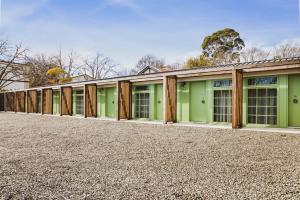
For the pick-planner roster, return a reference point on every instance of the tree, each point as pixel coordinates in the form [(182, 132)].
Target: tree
[(200, 61), (67, 62), (38, 68), (287, 50), (146, 61), (254, 54), (10, 70), (223, 46), (99, 67), (56, 75)]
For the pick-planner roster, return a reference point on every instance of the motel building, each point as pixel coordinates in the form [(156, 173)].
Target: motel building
[(253, 94)]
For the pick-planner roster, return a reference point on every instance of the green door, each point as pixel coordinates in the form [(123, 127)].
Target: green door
[(56, 103), (159, 102), (294, 100), (110, 102), (198, 108)]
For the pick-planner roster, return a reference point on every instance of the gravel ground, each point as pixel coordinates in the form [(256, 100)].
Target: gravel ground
[(44, 157)]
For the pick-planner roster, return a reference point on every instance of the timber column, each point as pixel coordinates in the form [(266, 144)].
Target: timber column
[(90, 100), (66, 101), (123, 100), (237, 98), (170, 98), (47, 104)]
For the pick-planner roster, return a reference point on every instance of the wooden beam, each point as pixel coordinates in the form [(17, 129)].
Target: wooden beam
[(66, 101), (170, 98), (47, 105), (90, 100), (237, 98), (123, 100)]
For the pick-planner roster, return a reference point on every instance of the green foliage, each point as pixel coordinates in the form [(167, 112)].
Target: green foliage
[(224, 45), (200, 61)]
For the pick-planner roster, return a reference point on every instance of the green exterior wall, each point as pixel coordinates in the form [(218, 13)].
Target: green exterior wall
[(294, 101), (156, 102), (282, 102), (195, 101), (106, 106)]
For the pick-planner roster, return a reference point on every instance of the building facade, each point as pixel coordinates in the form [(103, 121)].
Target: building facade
[(256, 94)]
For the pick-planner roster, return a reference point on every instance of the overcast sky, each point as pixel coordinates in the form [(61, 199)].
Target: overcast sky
[(125, 30)]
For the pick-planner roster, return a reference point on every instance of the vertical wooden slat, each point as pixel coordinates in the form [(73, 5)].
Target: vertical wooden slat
[(237, 99), (124, 100), (9, 102), (170, 98), (32, 101), (1, 101), (66, 101), (20, 101), (90, 100), (47, 105)]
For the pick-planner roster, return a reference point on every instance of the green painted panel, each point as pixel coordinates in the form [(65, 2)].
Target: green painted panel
[(110, 104), (198, 101), (283, 99), (101, 102), (183, 107), (56, 103), (159, 101), (294, 100)]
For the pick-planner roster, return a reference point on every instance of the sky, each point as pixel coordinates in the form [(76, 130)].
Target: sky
[(126, 30)]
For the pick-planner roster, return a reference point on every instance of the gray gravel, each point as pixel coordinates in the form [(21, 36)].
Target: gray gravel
[(45, 157)]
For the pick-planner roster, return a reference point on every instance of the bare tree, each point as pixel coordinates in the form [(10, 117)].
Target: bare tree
[(254, 54), (287, 50), (38, 67), (99, 67), (10, 70), (146, 61), (67, 62)]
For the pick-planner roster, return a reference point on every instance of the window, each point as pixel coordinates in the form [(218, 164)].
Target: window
[(262, 81), (142, 102), (142, 105), (78, 102), (222, 105), (262, 106), (223, 83), (141, 88)]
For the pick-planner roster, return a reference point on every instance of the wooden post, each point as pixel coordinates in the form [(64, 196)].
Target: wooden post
[(170, 98), (123, 100), (66, 101), (1, 102), (20, 101), (47, 105), (10, 102), (90, 100), (32, 101), (237, 99)]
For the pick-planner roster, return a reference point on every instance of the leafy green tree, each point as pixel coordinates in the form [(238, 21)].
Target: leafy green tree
[(223, 46)]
